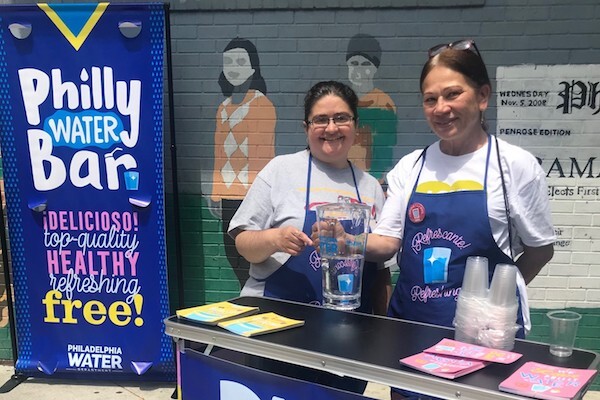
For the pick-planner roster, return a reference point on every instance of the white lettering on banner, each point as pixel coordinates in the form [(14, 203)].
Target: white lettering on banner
[(233, 390), (93, 112), (95, 361), (100, 94), (40, 149), (86, 348), (88, 357)]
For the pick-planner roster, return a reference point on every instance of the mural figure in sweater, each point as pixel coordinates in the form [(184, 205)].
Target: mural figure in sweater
[(244, 138)]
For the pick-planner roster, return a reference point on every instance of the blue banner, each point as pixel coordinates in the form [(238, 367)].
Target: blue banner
[(82, 144), (207, 377)]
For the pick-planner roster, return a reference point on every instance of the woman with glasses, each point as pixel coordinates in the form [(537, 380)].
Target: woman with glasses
[(272, 226), (467, 194)]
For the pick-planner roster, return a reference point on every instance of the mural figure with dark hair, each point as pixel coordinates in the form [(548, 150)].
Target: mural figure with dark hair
[(244, 138), (376, 135)]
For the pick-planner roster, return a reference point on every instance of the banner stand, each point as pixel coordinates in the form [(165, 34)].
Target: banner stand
[(173, 147), (19, 377), (16, 378)]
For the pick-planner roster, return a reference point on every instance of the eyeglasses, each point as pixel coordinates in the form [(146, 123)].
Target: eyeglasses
[(464, 44), (321, 121)]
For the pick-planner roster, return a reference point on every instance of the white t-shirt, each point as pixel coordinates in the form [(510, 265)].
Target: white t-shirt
[(526, 188), (277, 198), (525, 185)]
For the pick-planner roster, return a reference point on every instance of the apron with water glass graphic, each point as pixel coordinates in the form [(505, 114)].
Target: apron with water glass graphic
[(441, 231)]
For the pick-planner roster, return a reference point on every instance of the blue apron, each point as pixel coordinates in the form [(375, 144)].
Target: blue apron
[(300, 278), (440, 232)]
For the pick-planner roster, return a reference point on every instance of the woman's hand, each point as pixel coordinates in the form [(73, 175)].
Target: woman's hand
[(291, 240), (257, 246), (314, 235), (330, 229)]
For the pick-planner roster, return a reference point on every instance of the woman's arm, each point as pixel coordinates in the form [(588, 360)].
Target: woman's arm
[(381, 248), (257, 246), (533, 259)]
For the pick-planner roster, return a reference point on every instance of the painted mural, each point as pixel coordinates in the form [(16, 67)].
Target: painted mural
[(376, 138), (244, 138)]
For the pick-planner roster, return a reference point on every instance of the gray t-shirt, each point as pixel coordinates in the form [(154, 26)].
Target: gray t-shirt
[(278, 195)]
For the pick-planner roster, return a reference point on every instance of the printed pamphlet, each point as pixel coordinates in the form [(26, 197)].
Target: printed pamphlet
[(259, 324), (549, 382), (443, 366), (454, 348), (217, 312)]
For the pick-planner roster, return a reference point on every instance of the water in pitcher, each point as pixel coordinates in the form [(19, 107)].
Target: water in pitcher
[(343, 229), (342, 281)]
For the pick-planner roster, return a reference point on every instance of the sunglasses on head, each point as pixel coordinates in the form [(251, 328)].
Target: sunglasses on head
[(464, 44)]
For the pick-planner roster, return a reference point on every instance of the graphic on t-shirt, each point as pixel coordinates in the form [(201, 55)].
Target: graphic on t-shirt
[(435, 264), (443, 187)]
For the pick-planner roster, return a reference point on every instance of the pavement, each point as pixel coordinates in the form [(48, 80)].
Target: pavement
[(56, 389)]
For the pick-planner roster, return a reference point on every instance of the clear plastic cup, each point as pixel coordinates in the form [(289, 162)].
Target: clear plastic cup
[(475, 281), (503, 289), (467, 320), (563, 329)]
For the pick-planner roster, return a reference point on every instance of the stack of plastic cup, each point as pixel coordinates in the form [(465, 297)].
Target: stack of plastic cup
[(502, 308), (475, 281), (471, 303), (503, 290)]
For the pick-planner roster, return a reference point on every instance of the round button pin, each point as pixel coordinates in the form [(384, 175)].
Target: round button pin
[(416, 213)]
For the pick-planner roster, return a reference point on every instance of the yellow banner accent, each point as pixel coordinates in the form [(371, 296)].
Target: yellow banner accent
[(76, 41)]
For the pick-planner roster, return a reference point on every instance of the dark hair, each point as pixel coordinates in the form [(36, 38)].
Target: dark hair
[(465, 62), (325, 88), (364, 45), (257, 83)]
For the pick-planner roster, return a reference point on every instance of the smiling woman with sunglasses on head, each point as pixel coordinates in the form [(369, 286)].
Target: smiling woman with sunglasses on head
[(467, 194)]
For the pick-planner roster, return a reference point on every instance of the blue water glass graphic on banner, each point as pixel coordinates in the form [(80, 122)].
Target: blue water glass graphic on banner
[(435, 264), (132, 180)]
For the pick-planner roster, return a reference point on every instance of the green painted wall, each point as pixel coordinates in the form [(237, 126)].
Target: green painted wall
[(5, 344)]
